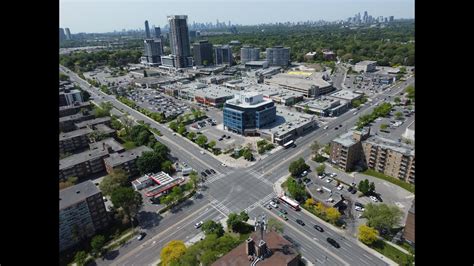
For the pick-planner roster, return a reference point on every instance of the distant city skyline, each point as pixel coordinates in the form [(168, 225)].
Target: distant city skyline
[(110, 15)]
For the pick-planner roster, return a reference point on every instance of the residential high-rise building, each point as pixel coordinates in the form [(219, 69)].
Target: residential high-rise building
[(179, 40), (153, 49), (202, 51), (278, 56), (68, 34), (62, 35), (81, 213), (248, 53), (390, 18), (147, 30), (223, 55), (157, 32)]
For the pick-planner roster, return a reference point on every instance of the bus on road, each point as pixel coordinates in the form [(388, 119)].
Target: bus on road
[(289, 144), (292, 203)]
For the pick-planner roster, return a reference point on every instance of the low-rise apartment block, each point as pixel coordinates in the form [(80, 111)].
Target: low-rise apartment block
[(67, 123), (83, 164), (92, 122), (81, 213), (74, 109), (74, 140), (125, 160), (107, 144)]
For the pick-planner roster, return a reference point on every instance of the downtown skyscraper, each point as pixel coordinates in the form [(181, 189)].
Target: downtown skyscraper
[(179, 41), (147, 30)]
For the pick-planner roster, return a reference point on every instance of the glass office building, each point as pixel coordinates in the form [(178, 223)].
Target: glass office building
[(247, 112)]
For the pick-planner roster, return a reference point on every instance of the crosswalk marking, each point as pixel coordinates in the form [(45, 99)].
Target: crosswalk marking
[(262, 202), (260, 177)]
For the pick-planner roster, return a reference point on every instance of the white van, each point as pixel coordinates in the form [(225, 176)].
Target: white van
[(326, 127)]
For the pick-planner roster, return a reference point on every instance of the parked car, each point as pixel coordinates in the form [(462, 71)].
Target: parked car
[(340, 187), (300, 222), (198, 224), (208, 172), (304, 173), (220, 139), (354, 191), (269, 206), (328, 180), (349, 189), (203, 174), (359, 204), (141, 236), (212, 171), (228, 137), (374, 199), (357, 208), (319, 228), (273, 204), (333, 242)]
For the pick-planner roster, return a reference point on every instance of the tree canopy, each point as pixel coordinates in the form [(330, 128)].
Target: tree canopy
[(382, 216), (127, 199), (296, 190), (118, 178), (211, 227), (297, 167), (171, 252), (367, 235)]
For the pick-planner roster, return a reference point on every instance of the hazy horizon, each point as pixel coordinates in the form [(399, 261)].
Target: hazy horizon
[(98, 16)]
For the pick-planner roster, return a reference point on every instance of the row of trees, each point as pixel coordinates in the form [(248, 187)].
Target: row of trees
[(263, 146), (330, 214), (84, 61), (391, 45), (380, 111)]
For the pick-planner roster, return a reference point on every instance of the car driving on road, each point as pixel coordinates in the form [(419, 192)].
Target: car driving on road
[(333, 242), (319, 228), (300, 222)]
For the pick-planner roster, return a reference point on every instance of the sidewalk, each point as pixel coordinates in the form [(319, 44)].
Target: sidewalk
[(395, 246)]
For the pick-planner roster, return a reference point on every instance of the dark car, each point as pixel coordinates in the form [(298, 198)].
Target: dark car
[(340, 125), (336, 128), (350, 188), (228, 137), (283, 211), (208, 172), (319, 228), (223, 136), (212, 171), (203, 174), (359, 204), (333, 242), (220, 139), (300, 222), (354, 191)]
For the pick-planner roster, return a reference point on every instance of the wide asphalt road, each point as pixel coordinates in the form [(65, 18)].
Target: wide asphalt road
[(232, 190)]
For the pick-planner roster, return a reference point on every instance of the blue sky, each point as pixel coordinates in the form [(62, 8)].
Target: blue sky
[(109, 15)]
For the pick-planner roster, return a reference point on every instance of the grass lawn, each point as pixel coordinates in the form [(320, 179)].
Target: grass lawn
[(392, 253), (129, 145), (390, 179)]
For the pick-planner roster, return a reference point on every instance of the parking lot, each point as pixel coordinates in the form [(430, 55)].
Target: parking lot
[(396, 127), (369, 83), (156, 101), (104, 76)]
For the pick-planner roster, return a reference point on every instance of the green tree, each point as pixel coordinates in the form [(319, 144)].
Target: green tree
[(410, 91), (177, 194), (167, 167), (80, 258), (149, 162), (232, 221), (367, 235), (211, 227), (173, 126), (181, 130), (364, 186), (129, 200), (211, 144), (371, 187), (171, 252), (161, 150), (399, 115), (275, 225), (63, 77), (244, 217), (191, 135), (201, 140), (297, 191), (297, 167), (383, 126), (306, 109), (397, 100), (247, 154), (382, 216), (97, 244), (118, 178), (320, 169), (315, 147), (194, 178)]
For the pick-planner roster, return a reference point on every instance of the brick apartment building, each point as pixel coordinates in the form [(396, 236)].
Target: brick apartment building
[(383, 155), (409, 231), (81, 213)]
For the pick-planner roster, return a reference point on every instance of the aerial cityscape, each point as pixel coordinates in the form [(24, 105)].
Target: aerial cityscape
[(229, 143)]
